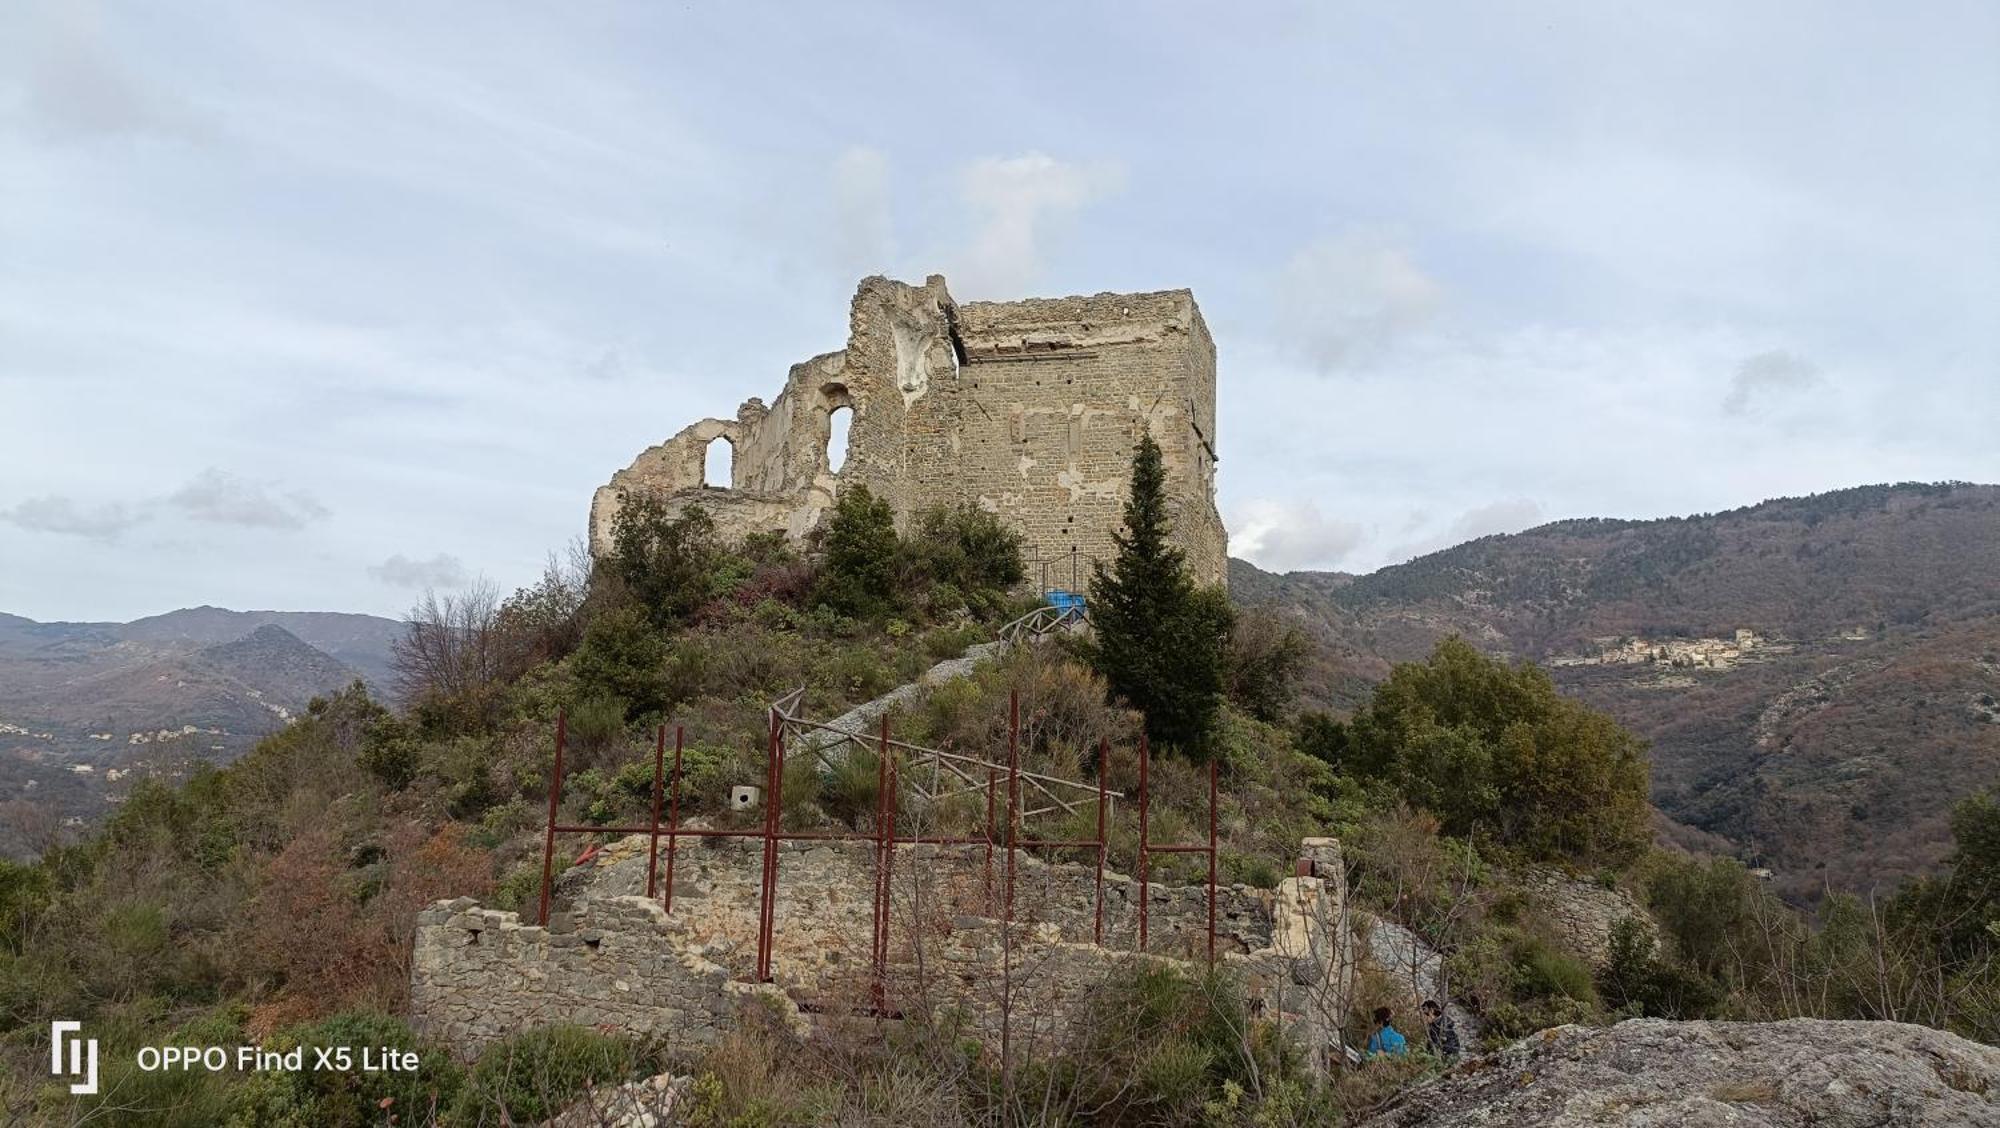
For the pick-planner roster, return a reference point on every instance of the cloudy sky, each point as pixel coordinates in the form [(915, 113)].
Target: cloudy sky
[(313, 305)]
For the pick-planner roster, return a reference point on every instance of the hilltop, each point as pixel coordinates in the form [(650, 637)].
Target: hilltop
[(83, 705), (1828, 743)]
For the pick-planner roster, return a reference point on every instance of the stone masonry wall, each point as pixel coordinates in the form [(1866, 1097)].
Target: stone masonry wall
[(825, 902), (620, 962), (478, 975), (1029, 409)]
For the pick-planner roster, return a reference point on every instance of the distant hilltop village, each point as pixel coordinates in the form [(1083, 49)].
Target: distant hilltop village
[(1685, 653), (1029, 410)]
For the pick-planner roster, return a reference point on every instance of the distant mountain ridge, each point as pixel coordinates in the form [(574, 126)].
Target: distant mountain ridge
[(1829, 745), (83, 705)]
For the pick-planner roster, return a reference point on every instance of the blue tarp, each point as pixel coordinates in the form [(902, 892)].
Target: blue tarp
[(1066, 601)]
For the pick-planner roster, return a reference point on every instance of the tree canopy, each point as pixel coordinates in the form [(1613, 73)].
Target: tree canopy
[(1492, 749)]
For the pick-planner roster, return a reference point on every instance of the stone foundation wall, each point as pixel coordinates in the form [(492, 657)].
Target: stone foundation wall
[(619, 961), (826, 891), (478, 975)]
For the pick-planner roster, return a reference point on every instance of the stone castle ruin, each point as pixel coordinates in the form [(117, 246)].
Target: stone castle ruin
[(1029, 410)]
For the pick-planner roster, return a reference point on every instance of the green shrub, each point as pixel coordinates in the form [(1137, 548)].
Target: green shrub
[(595, 724), (622, 657), (1635, 981), (1492, 748), (533, 1075), (960, 551), (1541, 971), (862, 551), (520, 889), (392, 753), (1266, 657), (670, 564), (351, 1098)]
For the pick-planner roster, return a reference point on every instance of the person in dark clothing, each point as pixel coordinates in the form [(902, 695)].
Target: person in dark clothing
[(1442, 1031)]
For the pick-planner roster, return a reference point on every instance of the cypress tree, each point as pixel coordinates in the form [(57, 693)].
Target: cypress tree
[(1162, 639)]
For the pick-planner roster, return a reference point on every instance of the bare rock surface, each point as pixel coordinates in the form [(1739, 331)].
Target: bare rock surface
[(1655, 1074), (1420, 970)]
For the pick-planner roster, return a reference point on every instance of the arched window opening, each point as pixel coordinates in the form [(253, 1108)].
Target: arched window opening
[(718, 466), (837, 421)]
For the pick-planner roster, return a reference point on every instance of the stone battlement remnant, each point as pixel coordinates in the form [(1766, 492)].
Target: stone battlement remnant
[(1029, 410)]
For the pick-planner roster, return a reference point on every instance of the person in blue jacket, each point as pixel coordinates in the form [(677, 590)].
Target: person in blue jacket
[(1386, 1040)]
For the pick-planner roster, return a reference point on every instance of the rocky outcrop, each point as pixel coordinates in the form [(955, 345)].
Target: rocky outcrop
[(655, 1102), (1418, 969), (1656, 1074)]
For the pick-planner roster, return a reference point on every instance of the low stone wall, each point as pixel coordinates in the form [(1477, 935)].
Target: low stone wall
[(1583, 912), (615, 960), (826, 891), (478, 975)]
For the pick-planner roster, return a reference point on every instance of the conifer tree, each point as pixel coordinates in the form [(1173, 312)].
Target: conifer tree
[(1162, 639)]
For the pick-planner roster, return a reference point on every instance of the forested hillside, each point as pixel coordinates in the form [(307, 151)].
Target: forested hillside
[(1829, 749)]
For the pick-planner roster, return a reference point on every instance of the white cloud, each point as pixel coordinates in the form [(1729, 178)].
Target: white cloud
[(63, 516), (76, 87), (1510, 516), (1020, 203), (1767, 377), (1286, 536), (440, 571), (224, 499), (1344, 297)]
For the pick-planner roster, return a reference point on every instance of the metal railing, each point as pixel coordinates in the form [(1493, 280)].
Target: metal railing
[(891, 770)]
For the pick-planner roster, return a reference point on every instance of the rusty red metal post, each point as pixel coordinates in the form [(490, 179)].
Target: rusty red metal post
[(1211, 863), (673, 820), (992, 790), (549, 838), (1103, 764), (1145, 759), (653, 838), (1013, 791), (768, 896), (878, 928), (888, 873)]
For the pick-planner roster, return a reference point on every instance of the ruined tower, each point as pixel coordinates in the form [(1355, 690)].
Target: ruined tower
[(1029, 410)]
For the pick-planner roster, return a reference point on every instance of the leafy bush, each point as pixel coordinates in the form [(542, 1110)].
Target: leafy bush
[(392, 753), (1493, 749), (1634, 980), (963, 552), (622, 657), (862, 550), (533, 1075), (1541, 971), (671, 564), (1266, 656), (356, 1099)]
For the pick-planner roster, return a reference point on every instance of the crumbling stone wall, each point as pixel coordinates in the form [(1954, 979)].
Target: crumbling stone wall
[(612, 959), (826, 890), (478, 975), (1027, 409), (1584, 912)]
